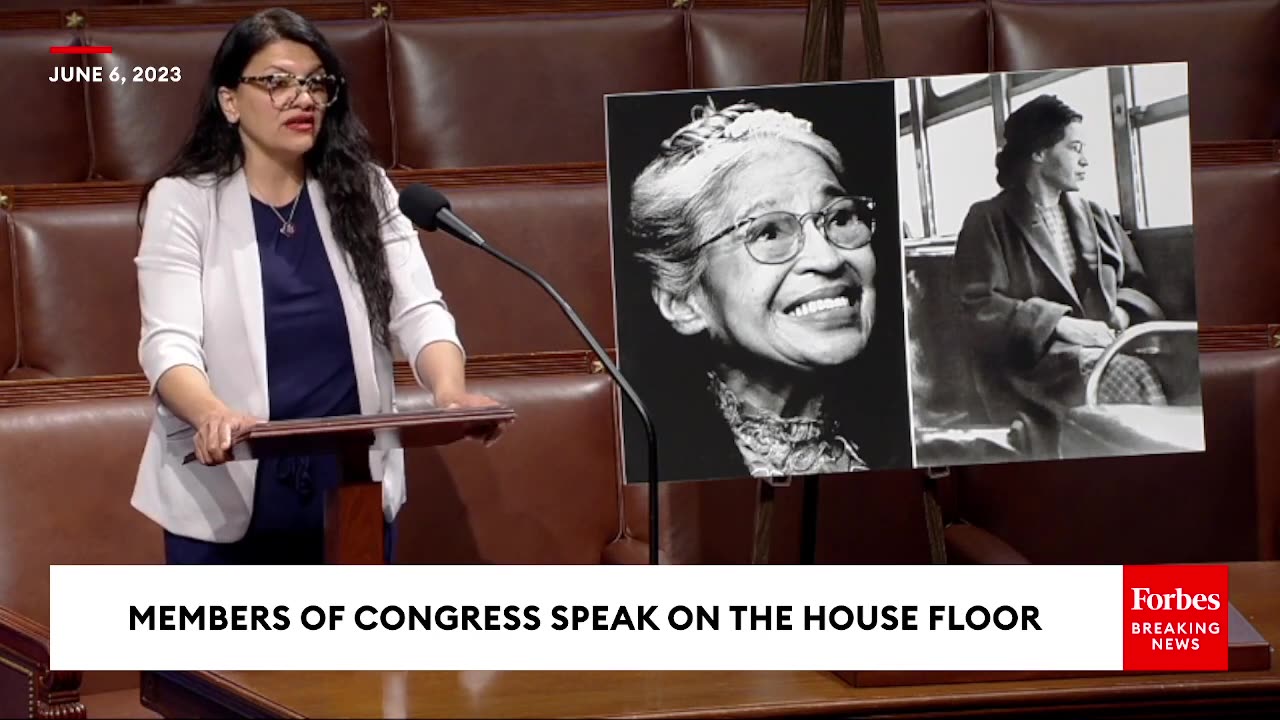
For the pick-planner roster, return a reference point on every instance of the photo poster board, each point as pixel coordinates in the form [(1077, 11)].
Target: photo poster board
[(905, 273)]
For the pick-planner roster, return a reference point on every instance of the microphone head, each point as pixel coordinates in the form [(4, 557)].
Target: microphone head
[(422, 205)]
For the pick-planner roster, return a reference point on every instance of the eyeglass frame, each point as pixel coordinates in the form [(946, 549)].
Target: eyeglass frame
[(303, 83), (869, 203)]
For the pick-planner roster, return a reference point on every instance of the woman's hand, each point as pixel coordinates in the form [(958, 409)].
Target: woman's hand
[(215, 431), (457, 400), (441, 364), (1088, 333), (464, 399), (1121, 319)]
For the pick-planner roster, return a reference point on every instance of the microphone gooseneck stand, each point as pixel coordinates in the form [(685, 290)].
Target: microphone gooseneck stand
[(651, 436)]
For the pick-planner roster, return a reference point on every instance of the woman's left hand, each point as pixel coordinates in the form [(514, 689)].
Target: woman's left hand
[(464, 400), (455, 401), (1120, 319)]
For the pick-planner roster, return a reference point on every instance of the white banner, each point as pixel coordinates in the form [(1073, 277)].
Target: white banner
[(488, 617)]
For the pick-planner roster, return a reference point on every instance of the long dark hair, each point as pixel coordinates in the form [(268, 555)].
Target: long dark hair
[(1038, 125), (340, 160)]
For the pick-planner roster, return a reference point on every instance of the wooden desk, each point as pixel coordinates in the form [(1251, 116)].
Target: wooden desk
[(1255, 590)]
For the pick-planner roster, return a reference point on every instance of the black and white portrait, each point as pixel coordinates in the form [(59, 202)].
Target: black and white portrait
[(758, 275), (1046, 228)]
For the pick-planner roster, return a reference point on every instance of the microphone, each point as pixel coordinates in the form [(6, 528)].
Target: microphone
[(429, 209)]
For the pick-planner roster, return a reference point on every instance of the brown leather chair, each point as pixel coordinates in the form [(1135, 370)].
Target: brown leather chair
[(523, 90), (546, 493), (77, 293), (561, 230), (1215, 506), (1232, 82), (8, 313), (863, 518), (128, 142), (44, 140), (733, 44), (430, 101), (1236, 211), (66, 476)]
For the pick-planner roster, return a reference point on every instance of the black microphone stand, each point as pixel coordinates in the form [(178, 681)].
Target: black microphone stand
[(617, 377)]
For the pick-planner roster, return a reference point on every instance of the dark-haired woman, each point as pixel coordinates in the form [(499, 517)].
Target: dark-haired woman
[(275, 271), (1047, 279)]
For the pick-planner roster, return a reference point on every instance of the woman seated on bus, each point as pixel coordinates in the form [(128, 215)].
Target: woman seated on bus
[(1047, 280)]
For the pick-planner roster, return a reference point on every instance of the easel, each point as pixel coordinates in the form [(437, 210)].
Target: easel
[(821, 61)]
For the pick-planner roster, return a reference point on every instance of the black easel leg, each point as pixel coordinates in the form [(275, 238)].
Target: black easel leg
[(934, 524), (763, 532), (809, 521)]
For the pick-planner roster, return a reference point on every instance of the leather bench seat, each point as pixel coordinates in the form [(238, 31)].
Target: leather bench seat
[(1232, 84), (1237, 213), (547, 493), (433, 94), (8, 312), (77, 290), (863, 519), (525, 90), (735, 44), (71, 269), (561, 230), (461, 86), (128, 142), (66, 475), (50, 144), (1216, 506)]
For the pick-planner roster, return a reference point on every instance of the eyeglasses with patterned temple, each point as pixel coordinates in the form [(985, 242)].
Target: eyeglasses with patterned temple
[(772, 238), (285, 88)]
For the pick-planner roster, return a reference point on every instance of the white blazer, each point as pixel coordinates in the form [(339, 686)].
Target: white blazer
[(200, 289)]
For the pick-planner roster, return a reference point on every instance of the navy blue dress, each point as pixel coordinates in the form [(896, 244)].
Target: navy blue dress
[(310, 374)]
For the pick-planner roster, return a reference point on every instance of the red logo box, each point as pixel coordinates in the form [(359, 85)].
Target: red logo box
[(1175, 617)]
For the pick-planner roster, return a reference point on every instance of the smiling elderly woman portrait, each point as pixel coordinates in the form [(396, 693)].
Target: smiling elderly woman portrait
[(759, 257)]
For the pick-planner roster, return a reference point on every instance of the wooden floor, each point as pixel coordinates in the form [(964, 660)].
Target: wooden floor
[(1255, 591)]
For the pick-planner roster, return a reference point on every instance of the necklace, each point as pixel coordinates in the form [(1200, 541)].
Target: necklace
[(286, 227), (773, 446)]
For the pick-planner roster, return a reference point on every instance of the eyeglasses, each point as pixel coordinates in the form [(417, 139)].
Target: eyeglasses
[(777, 237), (285, 88)]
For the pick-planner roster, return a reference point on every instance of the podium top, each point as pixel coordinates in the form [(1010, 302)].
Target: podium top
[(346, 433)]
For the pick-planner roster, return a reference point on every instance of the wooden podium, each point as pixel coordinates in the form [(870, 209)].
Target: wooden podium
[(353, 525)]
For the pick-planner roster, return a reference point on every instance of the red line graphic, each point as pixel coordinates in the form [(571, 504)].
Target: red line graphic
[(80, 50)]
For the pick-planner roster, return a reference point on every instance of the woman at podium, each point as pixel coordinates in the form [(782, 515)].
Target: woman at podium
[(275, 271)]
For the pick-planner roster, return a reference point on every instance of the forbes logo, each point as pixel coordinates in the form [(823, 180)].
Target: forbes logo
[(1175, 617), (1145, 599)]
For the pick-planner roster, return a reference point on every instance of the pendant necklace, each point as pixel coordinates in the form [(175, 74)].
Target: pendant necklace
[(287, 228)]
